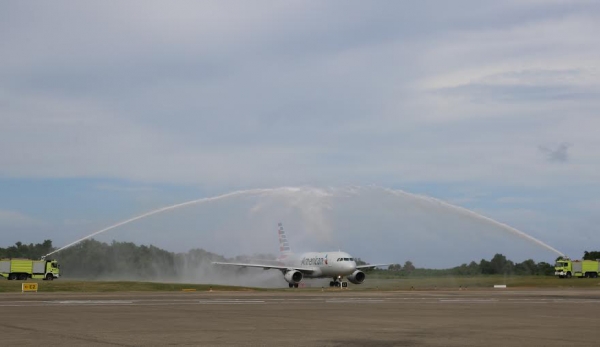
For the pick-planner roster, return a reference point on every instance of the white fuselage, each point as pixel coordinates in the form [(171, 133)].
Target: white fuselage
[(323, 264)]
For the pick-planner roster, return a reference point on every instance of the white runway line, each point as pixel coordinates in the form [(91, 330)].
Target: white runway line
[(576, 301), (474, 301), (354, 301), (93, 302), (228, 302), (300, 300)]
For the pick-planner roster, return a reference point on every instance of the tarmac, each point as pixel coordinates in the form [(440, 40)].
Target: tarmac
[(500, 317)]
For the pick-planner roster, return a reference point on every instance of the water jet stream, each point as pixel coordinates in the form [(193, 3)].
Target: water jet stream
[(350, 190), (470, 213), (163, 209)]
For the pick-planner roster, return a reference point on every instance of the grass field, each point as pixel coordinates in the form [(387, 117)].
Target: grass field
[(417, 283)]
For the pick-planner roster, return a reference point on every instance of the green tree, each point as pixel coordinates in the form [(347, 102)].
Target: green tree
[(528, 267), (395, 267), (30, 251), (473, 268), (500, 265), (486, 267), (408, 267), (545, 269), (593, 255)]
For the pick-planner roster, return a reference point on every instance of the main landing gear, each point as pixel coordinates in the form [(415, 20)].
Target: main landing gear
[(337, 282), (293, 285)]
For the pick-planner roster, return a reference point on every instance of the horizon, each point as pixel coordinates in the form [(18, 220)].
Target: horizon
[(269, 257)]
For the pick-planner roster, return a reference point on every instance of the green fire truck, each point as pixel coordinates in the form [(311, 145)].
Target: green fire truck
[(567, 268), (23, 269)]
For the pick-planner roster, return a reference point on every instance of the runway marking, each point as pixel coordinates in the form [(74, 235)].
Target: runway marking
[(93, 302), (468, 299), (233, 301), (571, 301), (473, 301), (307, 299), (342, 301)]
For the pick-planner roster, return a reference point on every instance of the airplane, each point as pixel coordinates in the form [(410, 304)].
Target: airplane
[(294, 268)]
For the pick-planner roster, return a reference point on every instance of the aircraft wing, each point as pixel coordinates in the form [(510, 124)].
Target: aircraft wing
[(371, 265), (268, 267)]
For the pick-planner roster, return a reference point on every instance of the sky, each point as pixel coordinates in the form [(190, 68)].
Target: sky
[(112, 109)]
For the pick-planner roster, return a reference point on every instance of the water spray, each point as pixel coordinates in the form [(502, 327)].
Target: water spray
[(478, 216), (351, 190), (163, 209)]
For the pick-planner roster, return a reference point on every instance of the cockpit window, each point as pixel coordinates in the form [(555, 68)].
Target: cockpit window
[(345, 259)]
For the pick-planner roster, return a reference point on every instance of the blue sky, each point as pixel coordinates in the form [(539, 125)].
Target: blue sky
[(112, 109)]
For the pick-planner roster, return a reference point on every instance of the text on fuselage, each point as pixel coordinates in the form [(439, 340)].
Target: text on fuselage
[(313, 261)]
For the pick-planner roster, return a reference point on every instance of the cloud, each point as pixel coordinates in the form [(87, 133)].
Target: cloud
[(201, 94), (15, 219), (558, 154)]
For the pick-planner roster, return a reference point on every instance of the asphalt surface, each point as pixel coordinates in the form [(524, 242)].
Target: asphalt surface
[(299, 318)]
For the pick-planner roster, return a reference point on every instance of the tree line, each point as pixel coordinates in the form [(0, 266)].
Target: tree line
[(594, 255), (498, 265), (30, 251), (95, 259)]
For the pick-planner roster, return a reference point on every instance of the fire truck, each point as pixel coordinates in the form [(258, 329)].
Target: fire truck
[(567, 268), (23, 269)]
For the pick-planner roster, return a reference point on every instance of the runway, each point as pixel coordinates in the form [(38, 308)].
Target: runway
[(302, 318)]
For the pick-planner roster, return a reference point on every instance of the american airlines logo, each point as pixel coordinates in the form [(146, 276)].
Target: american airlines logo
[(314, 261)]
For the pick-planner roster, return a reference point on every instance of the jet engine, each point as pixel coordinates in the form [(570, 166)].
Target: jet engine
[(294, 276), (357, 277)]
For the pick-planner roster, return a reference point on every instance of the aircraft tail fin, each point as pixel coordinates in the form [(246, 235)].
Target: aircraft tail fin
[(284, 246)]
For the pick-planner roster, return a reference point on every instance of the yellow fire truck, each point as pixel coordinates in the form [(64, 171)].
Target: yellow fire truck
[(567, 268), (23, 269)]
